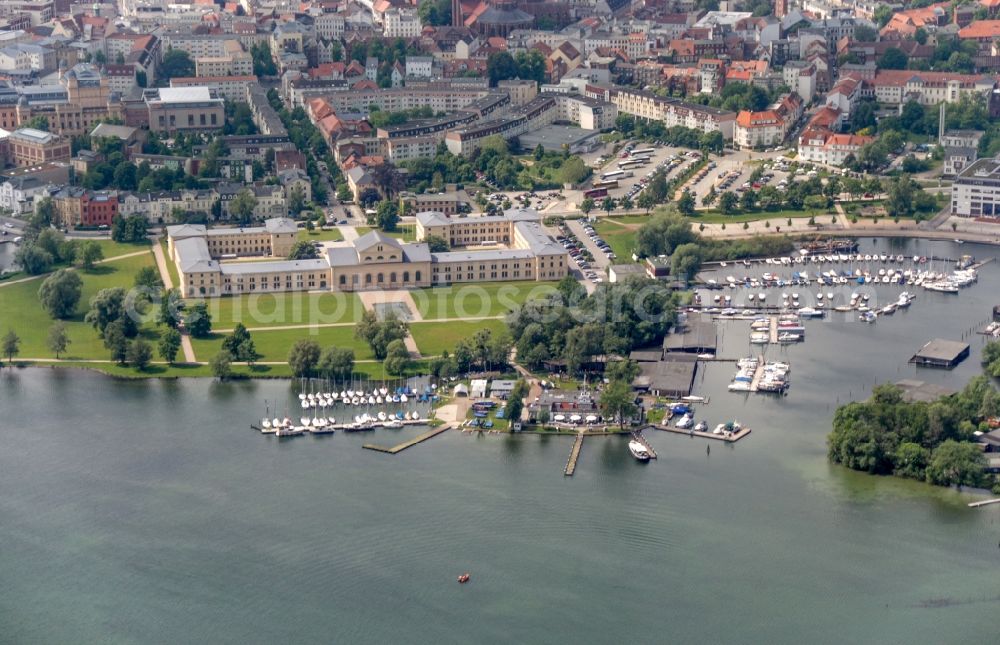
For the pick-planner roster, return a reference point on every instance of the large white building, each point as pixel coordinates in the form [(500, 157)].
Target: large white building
[(669, 111), (976, 190)]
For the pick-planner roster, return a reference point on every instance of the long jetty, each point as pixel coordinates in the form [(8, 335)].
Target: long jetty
[(732, 438), (407, 444), (985, 502), (758, 374), (574, 455)]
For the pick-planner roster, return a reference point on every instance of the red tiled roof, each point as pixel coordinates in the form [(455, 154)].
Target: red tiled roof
[(981, 29)]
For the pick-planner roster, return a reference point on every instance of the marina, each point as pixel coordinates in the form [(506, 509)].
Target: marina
[(731, 437)]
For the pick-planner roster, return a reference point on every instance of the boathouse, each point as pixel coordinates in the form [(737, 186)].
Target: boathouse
[(673, 376), (941, 353), (696, 336)]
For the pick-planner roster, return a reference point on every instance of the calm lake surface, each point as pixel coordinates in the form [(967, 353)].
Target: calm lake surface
[(148, 512)]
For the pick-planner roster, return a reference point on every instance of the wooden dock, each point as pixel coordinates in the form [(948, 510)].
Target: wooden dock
[(985, 502), (977, 265), (733, 438), (407, 444), (574, 455), (773, 320), (758, 374), (637, 436)]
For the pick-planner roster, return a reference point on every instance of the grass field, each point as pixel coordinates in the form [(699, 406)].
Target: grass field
[(23, 313), (434, 338), (171, 267), (321, 235), (286, 308), (273, 345), (477, 300), (777, 218), (404, 232)]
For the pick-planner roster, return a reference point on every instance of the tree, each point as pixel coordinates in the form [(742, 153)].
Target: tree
[(171, 307), (587, 205), (623, 371), (625, 203), (170, 345), (646, 201), (116, 341), (109, 306), (221, 366), (378, 334), (60, 293), (242, 207), (397, 358), (893, 58), (336, 363), (90, 254), (899, 196), (303, 250), (727, 202), (437, 244), (139, 354), (38, 123), (304, 356), (57, 340), (33, 260), (865, 34), (500, 66), (748, 200), (198, 321), (956, 464), (434, 12), (131, 229), (618, 402), (11, 346), (608, 205), (387, 215), (296, 200), (149, 278), (175, 63), (686, 261), (686, 203), (240, 345)]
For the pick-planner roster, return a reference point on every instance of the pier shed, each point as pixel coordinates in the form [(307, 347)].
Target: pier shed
[(697, 336), (501, 388), (941, 353), (673, 376)]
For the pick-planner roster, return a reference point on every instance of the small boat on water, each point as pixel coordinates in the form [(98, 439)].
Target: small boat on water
[(638, 451), (685, 422), (462, 579), (701, 426)]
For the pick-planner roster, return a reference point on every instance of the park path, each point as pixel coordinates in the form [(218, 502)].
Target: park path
[(354, 324), (168, 283), (45, 275), (161, 266), (349, 232)]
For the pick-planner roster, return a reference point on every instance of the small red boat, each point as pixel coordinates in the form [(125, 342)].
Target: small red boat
[(463, 578)]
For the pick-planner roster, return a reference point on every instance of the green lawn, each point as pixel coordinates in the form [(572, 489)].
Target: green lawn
[(171, 266), (404, 232), (23, 313), (112, 248), (477, 300), (273, 345), (434, 338), (621, 240), (777, 218), (157, 370), (285, 308), (321, 235)]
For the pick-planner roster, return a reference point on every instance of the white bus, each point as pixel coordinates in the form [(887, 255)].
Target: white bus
[(644, 151), (617, 174)]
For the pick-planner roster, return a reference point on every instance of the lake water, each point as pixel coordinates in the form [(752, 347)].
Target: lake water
[(7, 255), (148, 512)]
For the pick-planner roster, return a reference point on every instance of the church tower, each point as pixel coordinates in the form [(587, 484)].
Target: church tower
[(456, 14)]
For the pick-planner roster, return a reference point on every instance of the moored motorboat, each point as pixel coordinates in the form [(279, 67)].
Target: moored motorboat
[(638, 451)]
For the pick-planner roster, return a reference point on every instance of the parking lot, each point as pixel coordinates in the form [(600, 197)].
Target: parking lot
[(587, 250)]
